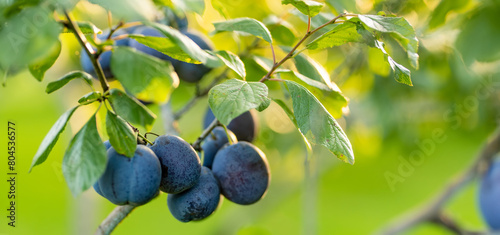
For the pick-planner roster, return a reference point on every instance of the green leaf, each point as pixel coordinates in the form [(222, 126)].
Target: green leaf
[(245, 25), (282, 32), (233, 62), (283, 35), (145, 76), (187, 45), (197, 6), (332, 97), (310, 8), (340, 35), (86, 28), (401, 74), (85, 159), (163, 3), (131, 109), (438, 15), (40, 66), (234, 97), (478, 39), (121, 136), (399, 29), (165, 46), (128, 10), (90, 98), (317, 124), (51, 138), (25, 38), (56, 85), (290, 115)]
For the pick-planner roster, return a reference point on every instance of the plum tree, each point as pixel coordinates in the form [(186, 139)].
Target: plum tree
[(194, 72), (489, 195), (105, 57), (180, 165), (198, 202), (243, 172), (244, 126), (132, 180), (213, 143)]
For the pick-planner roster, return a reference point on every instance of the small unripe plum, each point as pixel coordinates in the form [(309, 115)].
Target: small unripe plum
[(489, 196), (243, 172), (193, 72), (134, 180), (244, 126), (104, 58), (180, 164), (198, 202), (214, 141)]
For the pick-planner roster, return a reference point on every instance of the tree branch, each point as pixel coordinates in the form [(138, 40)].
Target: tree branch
[(290, 54), (434, 207), (113, 219), (89, 50)]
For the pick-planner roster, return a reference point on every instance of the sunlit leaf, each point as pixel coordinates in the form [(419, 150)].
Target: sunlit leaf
[(85, 159), (314, 122), (245, 25), (234, 97), (51, 138)]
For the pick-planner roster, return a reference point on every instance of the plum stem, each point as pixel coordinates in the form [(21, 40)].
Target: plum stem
[(432, 210), (206, 132)]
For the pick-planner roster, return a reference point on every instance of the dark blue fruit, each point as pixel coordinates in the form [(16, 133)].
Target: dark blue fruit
[(193, 72), (243, 172), (133, 180), (180, 164), (149, 31), (96, 184), (198, 202), (104, 58), (243, 126), (213, 143), (489, 196)]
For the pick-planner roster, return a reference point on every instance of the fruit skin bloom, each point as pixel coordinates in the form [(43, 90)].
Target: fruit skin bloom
[(180, 165), (243, 172), (198, 202), (134, 180)]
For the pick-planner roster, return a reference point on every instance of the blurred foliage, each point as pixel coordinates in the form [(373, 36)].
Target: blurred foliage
[(455, 90)]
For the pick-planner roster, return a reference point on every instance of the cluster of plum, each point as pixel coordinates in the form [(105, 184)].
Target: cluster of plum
[(238, 171), (186, 71)]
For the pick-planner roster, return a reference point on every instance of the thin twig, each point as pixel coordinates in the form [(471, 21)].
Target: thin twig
[(89, 50), (433, 208), (113, 219), (447, 222), (290, 54)]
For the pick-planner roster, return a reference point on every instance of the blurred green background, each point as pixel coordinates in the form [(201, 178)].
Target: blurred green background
[(456, 94)]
